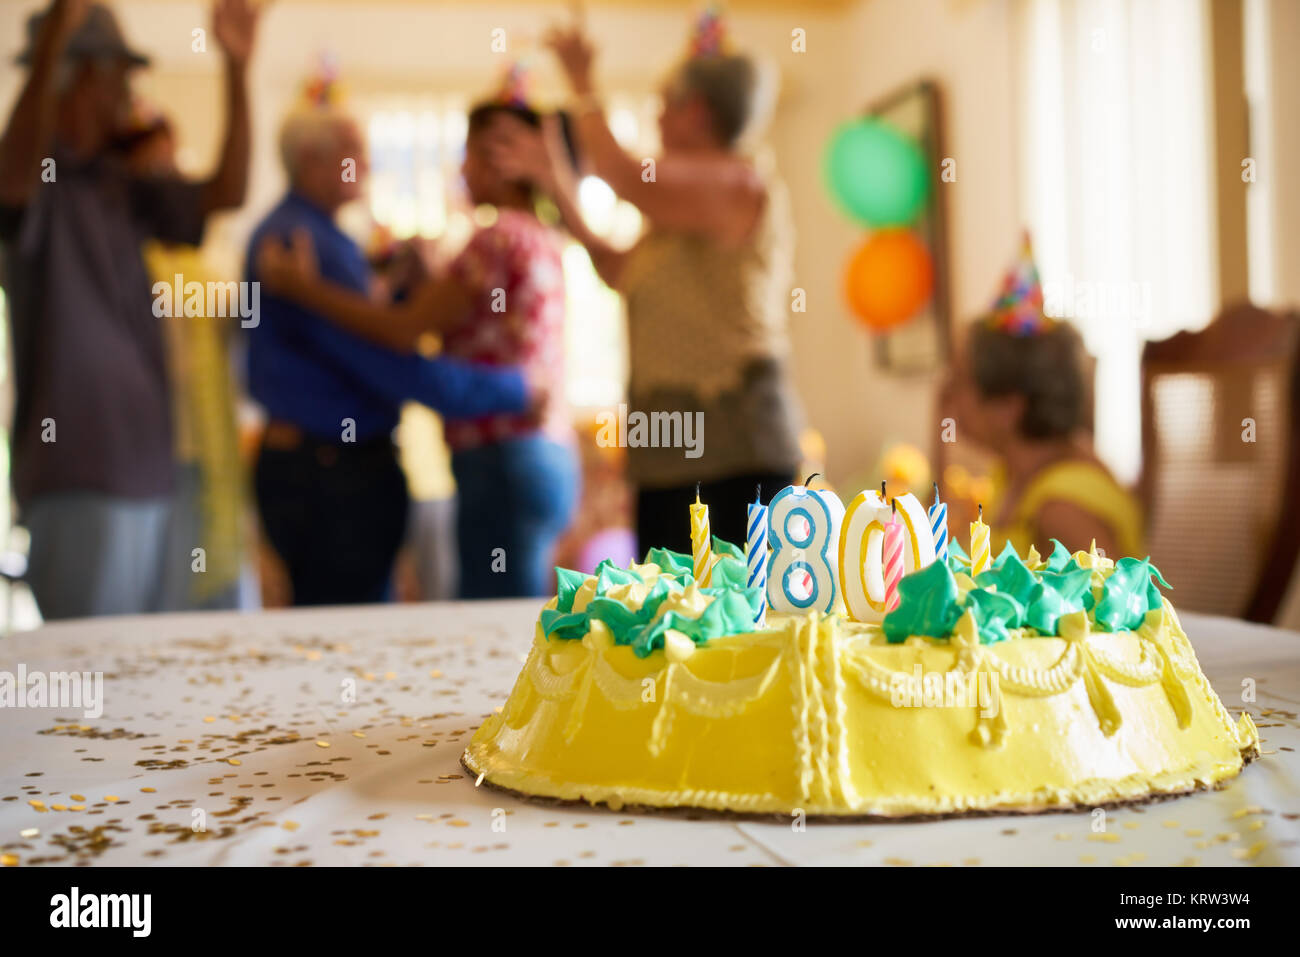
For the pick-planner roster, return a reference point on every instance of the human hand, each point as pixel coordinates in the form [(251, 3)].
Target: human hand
[(518, 152), (574, 50), (287, 268), (234, 24)]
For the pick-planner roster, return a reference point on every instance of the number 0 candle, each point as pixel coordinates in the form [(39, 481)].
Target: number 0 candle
[(979, 545), (756, 552), (701, 542)]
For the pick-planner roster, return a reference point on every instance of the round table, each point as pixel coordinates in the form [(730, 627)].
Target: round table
[(333, 736)]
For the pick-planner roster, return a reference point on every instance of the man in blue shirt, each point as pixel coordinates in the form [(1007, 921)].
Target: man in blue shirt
[(330, 491)]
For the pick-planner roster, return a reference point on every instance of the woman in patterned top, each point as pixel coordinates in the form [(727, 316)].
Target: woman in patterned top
[(500, 302)]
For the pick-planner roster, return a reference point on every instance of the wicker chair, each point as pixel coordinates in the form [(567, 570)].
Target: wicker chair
[(1221, 461)]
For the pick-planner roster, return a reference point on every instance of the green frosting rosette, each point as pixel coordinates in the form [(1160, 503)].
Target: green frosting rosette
[(1011, 596), (732, 608)]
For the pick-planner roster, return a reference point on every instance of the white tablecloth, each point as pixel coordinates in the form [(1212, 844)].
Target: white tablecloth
[(334, 736)]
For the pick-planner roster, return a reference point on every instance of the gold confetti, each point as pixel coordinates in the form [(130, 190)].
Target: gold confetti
[(1104, 838), (9, 860), (37, 803), (58, 807), (30, 832), (390, 675), (1248, 809), (1062, 836), (1170, 824), (358, 734), (111, 798), (1248, 853), (1255, 825), (1131, 825), (435, 673), (289, 825), (860, 844), (235, 761), (322, 744), (149, 790), (209, 719), (1194, 832), (77, 797), (77, 807), (457, 822), (1087, 859)]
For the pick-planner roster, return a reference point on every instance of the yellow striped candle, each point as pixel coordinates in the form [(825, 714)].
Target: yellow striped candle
[(979, 545), (701, 542)]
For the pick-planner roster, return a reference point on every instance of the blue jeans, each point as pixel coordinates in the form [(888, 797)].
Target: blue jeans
[(97, 554), (516, 498)]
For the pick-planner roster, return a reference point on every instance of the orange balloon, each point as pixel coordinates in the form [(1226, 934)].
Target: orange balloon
[(889, 279)]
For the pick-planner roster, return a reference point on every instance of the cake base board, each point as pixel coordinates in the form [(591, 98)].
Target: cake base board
[(700, 813)]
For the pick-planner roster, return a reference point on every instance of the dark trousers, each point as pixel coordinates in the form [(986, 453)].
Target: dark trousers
[(514, 499), (336, 514), (663, 517)]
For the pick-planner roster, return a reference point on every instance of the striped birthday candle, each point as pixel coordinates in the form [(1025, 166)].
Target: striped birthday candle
[(893, 559), (701, 542), (938, 513), (756, 553), (980, 547)]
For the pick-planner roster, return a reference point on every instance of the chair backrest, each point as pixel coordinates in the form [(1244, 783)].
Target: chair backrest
[(1221, 461)]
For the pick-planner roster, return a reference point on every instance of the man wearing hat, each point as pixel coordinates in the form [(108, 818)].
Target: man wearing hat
[(91, 444)]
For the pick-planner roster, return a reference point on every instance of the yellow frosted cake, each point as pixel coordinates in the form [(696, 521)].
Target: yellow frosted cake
[(1033, 686)]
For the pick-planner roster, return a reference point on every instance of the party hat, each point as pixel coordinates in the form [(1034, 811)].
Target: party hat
[(515, 84), (709, 34), (323, 87), (1019, 306)]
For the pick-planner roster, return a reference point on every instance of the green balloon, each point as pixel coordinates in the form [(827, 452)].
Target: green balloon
[(876, 173)]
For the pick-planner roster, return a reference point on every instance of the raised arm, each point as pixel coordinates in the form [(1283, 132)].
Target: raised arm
[(29, 133), (234, 23), (716, 194), (433, 306)]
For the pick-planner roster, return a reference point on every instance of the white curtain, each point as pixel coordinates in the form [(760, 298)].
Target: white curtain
[(1116, 160)]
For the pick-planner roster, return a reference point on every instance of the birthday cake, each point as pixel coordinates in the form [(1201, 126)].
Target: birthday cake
[(946, 686)]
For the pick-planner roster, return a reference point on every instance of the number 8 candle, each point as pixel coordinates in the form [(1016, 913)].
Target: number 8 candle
[(756, 552), (701, 543), (979, 545), (814, 552)]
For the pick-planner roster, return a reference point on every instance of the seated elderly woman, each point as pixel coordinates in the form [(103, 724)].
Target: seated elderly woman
[(1018, 389)]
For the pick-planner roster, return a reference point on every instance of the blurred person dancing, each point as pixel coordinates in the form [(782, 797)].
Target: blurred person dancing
[(707, 287), (330, 490), (500, 302), (208, 508), (93, 469)]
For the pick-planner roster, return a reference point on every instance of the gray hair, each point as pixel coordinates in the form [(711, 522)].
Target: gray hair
[(308, 129), (739, 92)]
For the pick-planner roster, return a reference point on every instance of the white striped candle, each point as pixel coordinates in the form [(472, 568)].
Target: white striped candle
[(756, 553), (938, 513)]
